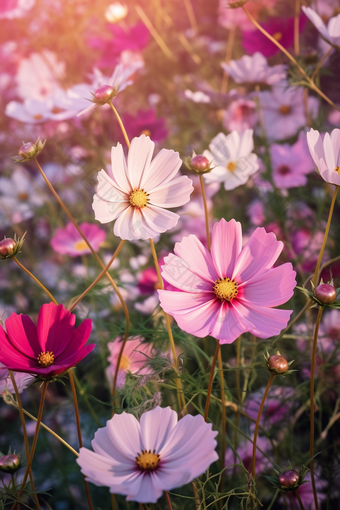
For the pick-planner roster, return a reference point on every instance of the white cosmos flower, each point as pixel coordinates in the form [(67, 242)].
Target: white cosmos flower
[(331, 33), (137, 192), (326, 154), (254, 69), (233, 159)]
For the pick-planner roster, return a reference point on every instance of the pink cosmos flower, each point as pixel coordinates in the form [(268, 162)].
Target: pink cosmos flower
[(135, 356), (145, 122), (245, 451), (240, 115), (68, 241), (326, 154), (277, 408), (141, 460), (306, 493), (331, 33), (254, 69), (47, 349), (137, 192), (291, 164), (281, 29), (230, 18), (230, 290)]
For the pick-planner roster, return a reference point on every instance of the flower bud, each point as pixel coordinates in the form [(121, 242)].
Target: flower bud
[(7, 247), (103, 94), (200, 163), (29, 151), (9, 463), (289, 479), (325, 293), (116, 12), (278, 364)]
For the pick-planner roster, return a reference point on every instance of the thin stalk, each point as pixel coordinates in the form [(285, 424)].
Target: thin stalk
[(180, 395), (229, 54), (34, 444), (157, 37), (206, 212), (113, 502), (65, 209), (317, 269), (257, 424), (299, 499), (296, 28), (291, 58), (23, 424), (320, 64), (99, 277), (86, 400), (274, 499), (140, 506), (36, 280), (80, 440), (211, 377), (312, 376), (168, 499), (224, 422), (121, 125), (238, 361)]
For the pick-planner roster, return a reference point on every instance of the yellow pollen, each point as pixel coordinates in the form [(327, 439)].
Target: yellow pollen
[(138, 198), (37, 116), (225, 289), (277, 36), (81, 245), (146, 132), (285, 109), (147, 460), (337, 170), (23, 196), (124, 363), (231, 166), (45, 359)]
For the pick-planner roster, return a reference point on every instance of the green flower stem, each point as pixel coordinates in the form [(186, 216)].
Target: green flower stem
[(299, 499), (211, 377), (206, 213)]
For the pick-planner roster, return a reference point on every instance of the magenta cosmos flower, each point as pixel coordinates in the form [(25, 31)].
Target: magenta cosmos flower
[(326, 154), (47, 349), (68, 241), (141, 460), (137, 192), (231, 290)]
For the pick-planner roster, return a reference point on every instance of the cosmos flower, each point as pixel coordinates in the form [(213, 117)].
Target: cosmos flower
[(231, 290), (254, 69), (240, 115), (47, 349), (331, 33), (326, 154), (141, 460), (291, 164), (245, 451), (230, 18), (22, 380), (68, 241), (145, 122), (233, 159), (137, 192)]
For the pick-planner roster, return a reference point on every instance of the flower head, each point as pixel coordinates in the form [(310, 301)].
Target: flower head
[(233, 159), (11, 247), (137, 192), (141, 460), (254, 69), (231, 290), (331, 33), (47, 349), (68, 241), (326, 154)]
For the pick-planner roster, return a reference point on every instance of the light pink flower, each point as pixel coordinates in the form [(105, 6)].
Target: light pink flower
[(137, 192), (291, 164), (231, 290), (326, 154), (331, 33), (254, 69), (141, 460), (68, 241), (230, 18), (240, 115), (277, 408), (245, 451), (47, 349), (135, 356), (22, 380)]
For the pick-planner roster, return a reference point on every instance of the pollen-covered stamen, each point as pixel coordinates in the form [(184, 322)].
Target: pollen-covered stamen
[(285, 109), (337, 170), (45, 359), (138, 198), (225, 289), (231, 166), (147, 460), (81, 245)]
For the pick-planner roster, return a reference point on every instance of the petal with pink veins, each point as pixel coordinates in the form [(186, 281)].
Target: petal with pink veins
[(139, 159), (156, 426), (55, 327), (197, 258), (177, 273), (163, 169), (264, 322), (159, 220), (118, 170), (172, 194), (226, 246)]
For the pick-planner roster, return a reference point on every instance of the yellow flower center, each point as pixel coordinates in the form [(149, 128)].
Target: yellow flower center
[(124, 363), (337, 170), (231, 166), (37, 116), (285, 109), (45, 359), (80, 245), (23, 196), (225, 289), (146, 132), (147, 461), (277, 36), (138, 198)]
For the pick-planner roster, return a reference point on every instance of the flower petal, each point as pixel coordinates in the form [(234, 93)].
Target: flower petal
[(55, 327), (22, 334), (77, 341), (172, 194), (176, 272), (159, 220), (139, 159), (197, 258), (156, 426), (229, 324), (264, 322), (226, 245), (163, 169), (118, 171)]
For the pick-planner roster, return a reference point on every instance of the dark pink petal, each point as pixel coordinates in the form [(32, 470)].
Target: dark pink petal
[(22, 333), (264, 322), (258, 255), (78, 340), (272, 288), (197, 258), (55, 327), (226, 245), (76, 357), (156, 426), (11, 358), (177, 272)]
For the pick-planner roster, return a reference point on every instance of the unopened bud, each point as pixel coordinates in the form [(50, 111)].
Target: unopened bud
[(278, 364), (200, 163), (325, 293), (289, 479), (29, 151), (9, 463), (104, 94), (7, 248)]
